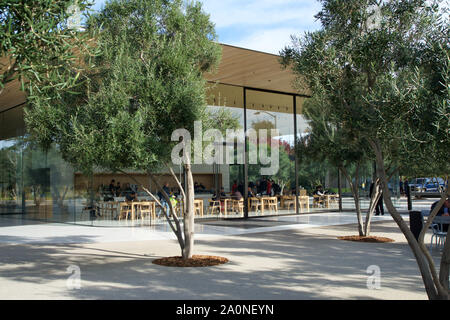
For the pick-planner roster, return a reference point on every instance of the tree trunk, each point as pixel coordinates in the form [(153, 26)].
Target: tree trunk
[(444, 269), (445, 264), (444, 272), (171, 214), (177, 228), (432, 286), (355, 192), (374, 198), (358, 211), (188, 222)]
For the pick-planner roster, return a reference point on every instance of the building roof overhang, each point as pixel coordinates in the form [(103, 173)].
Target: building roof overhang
[(238, 67)]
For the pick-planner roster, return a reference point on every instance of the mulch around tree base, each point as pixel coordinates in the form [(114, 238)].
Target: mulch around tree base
[(366, 239), (195, 261)]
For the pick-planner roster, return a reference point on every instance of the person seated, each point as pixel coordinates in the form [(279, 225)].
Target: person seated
[(319, 195), (118, 189), (443, 211), (220, 196), (131, 196), (237, 195), (251, 194), (319, 191)]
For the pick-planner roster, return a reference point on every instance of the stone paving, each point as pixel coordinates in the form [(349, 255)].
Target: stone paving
[(289, 257)]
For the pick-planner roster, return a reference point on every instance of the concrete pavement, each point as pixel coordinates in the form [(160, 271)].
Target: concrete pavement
[(291, 263)]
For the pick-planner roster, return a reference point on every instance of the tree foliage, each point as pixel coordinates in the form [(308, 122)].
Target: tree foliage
[(37, 45), (383, 67), (146, 82)]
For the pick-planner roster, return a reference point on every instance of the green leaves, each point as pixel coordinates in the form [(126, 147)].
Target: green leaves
[(34, 39), (385, 82), (123, 103)]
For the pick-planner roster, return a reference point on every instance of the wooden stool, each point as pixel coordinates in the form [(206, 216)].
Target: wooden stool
[(125, 208), (214, 205), (198, 206), (238, 206)]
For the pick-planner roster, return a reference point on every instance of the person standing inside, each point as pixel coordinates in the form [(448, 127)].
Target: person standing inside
[(234, 187), (112, 187), (163, 200), (269, 187), (406, 188), (379, 208), (118, 189)]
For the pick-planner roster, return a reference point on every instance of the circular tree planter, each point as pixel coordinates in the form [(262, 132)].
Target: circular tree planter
[(195, 261), (372, 239)]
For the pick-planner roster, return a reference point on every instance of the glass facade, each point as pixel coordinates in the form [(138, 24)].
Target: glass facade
[(38, 185)]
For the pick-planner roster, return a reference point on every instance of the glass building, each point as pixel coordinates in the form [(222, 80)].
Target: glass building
[(253, 86)]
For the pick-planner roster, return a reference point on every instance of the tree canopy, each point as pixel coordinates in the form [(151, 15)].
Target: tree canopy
[(383, 67), (37, 44), (146, 83)]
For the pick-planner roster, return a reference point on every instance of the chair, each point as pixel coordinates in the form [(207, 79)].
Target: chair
[(304, 202), (214, 206), (87, 209), (289, 203), (147, 208), (238, 206), (109, 207), (438, 236), (255, 203), (272, 204), (198, 206), (318, 201), (125, 208), (100, 208)]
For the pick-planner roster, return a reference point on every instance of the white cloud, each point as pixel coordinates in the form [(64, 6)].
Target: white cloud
[(271, 40), (226, 13), (263, 25)]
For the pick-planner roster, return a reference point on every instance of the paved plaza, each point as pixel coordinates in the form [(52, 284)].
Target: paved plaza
[(288, 257)]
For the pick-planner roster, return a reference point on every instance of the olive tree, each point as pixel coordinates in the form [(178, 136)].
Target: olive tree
[(384, 67), (146, 82), (329, 140)]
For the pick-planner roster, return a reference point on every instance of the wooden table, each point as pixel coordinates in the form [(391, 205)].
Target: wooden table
[(134, 207), (263, 201), (287, 201)]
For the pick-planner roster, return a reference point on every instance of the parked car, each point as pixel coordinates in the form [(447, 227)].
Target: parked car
[(427, 185)]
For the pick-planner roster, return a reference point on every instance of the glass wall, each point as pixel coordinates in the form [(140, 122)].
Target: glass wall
[(11, 184), (38, 185), (271, 170)]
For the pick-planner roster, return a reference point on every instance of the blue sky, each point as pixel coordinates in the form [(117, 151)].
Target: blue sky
[(263, 25)]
